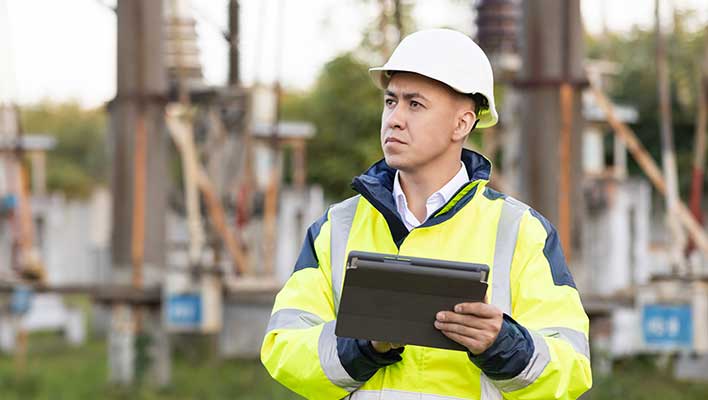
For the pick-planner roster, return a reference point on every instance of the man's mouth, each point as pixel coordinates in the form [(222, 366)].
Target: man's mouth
[(392, 139)]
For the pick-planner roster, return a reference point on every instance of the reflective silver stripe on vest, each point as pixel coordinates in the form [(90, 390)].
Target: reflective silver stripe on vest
[(341, 216), (575, 338), (538, 362), (291, 318), (489, 391), (507, 232), (388, 394), (329, 360)]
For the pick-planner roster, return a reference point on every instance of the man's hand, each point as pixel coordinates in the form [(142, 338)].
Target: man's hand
[(473, 325), (383, 347)]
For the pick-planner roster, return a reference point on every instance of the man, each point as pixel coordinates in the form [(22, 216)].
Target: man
[(429, 198)]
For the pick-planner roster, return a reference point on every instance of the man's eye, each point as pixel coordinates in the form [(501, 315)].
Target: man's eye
[(415, 104), (389, 102)]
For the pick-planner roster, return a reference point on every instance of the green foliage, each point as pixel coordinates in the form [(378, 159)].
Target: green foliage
[(79, 160), (636, 84), (641, 378), (345, 107), (57, 371)]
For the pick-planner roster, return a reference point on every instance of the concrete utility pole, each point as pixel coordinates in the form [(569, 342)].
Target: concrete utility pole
[(139, 188), (139, 144), (550, 80)]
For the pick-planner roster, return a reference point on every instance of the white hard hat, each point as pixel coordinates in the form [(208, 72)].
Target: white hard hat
[(447, 56)]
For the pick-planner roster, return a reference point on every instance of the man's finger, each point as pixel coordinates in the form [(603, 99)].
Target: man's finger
[(483, 337), (483, 310), (464, 319), (463, 330)]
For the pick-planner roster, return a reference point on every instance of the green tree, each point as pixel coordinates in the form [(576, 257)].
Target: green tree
[(78, 162), (345, 107)]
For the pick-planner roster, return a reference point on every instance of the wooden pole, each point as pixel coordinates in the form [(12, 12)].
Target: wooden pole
[(668, 154), (139, 163), (300, 163), (188, 152), (138, 231), (271, 212), (218, 218), (271, 196), (234, 70), (699, 147), (180, 131), (565, 146), (39, 172), (31, 266), (648, 166), (21, 346), (190, 164), (565, 156)]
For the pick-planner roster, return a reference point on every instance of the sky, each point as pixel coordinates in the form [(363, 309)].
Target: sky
[(66, 50)]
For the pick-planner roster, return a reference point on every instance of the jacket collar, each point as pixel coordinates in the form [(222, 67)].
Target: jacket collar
[(376, 185), (380, 174)]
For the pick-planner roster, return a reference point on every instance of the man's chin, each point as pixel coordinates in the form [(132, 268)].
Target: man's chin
[(395, 162)]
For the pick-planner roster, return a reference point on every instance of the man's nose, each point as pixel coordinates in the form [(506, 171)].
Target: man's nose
[(396, 118)]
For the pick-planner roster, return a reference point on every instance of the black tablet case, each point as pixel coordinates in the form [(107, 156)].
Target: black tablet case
[(395, 298)]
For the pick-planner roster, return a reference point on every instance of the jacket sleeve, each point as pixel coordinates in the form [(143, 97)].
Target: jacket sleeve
[(542, 350), (300, 349)]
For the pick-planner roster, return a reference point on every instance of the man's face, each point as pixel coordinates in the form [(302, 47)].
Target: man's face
[(420, 121)]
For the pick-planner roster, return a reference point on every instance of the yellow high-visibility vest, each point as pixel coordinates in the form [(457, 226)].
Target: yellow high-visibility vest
[(542, 350)]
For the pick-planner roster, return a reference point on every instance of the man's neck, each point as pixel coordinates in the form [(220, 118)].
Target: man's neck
[(420, 184)]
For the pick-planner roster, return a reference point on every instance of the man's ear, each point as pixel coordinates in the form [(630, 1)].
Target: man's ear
[(466, 121)]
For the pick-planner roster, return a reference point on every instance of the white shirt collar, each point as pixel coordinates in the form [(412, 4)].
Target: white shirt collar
[(434, 202)]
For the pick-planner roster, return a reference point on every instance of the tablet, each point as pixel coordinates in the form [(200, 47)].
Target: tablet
[(395, 298)]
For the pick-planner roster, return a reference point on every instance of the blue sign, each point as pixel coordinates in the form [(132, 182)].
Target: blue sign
[(21, 300), (8, 203), (184, 310), (667, 326)]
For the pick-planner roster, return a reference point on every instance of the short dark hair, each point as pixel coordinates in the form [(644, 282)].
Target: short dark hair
[(480, 102)]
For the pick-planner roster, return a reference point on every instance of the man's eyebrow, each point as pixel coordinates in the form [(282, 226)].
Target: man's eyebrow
[(406, 96)]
